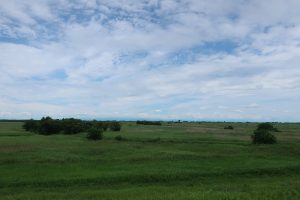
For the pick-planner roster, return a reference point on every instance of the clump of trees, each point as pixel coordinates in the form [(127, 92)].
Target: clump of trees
[(31, 125), (266, 126), (49, 126), (148, 122), (263, 134), (72, 126), (229, 127), (99, 124), (263, 137)]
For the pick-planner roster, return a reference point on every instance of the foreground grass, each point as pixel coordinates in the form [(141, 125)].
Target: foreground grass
[(188, 161)]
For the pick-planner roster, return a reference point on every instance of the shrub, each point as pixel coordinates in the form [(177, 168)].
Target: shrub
[(87, 125), (101, 124), (49, 126), (229, 127), (263, 137), (120, 138), (95, 134), (266, 126), (105, 126), (72, 126), (115, 126), (31, 125)]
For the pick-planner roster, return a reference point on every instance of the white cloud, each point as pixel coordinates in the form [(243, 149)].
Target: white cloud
[(114, 57)]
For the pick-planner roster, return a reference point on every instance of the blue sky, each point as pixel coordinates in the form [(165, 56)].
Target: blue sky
[(231, 60)]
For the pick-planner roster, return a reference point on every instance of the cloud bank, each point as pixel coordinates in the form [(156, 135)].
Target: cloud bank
[(150, 59)]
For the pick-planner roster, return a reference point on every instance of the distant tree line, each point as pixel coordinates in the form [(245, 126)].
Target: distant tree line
[(49, 126), (148, 122)]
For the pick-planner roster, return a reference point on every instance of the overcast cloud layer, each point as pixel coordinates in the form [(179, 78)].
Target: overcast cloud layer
[(150, 59)]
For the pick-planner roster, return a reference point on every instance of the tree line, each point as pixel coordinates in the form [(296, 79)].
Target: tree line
[(148, 122), (49, 126)]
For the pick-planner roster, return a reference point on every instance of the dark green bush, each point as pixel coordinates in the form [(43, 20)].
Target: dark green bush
[(105, 125), (115, 126), (101, 124), (31, 125), (266, 126), (229, 127), (87, 125), (120, 138), (49, 126), (95, 134), (263, 137), (148, 122), (72, 126)]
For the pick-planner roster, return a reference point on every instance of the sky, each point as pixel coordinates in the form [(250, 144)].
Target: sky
[(221, 60)]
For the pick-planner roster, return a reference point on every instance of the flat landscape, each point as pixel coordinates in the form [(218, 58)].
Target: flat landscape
[(171, 161)]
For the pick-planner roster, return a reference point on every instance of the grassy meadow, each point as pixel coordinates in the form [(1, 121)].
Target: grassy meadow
[(174, 161)]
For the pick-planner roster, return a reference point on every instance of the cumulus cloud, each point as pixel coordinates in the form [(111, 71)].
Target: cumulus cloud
[(188, 59)]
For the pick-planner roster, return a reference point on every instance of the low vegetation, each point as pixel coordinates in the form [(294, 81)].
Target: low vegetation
[(95, 133), (154, 140), (115, 126), (188, 161), (158, 123)]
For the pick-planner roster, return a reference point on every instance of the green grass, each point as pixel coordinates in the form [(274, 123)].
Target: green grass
[(189, 161)]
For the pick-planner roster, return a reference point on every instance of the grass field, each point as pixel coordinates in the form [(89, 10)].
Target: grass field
[(188, 161)]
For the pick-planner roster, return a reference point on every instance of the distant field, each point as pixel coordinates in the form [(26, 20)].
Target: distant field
[(173, 161)]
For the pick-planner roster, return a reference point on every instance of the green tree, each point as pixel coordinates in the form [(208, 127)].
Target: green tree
[(31, 125), (263, 137), (72, 126), (266, 126), (49, 126)]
